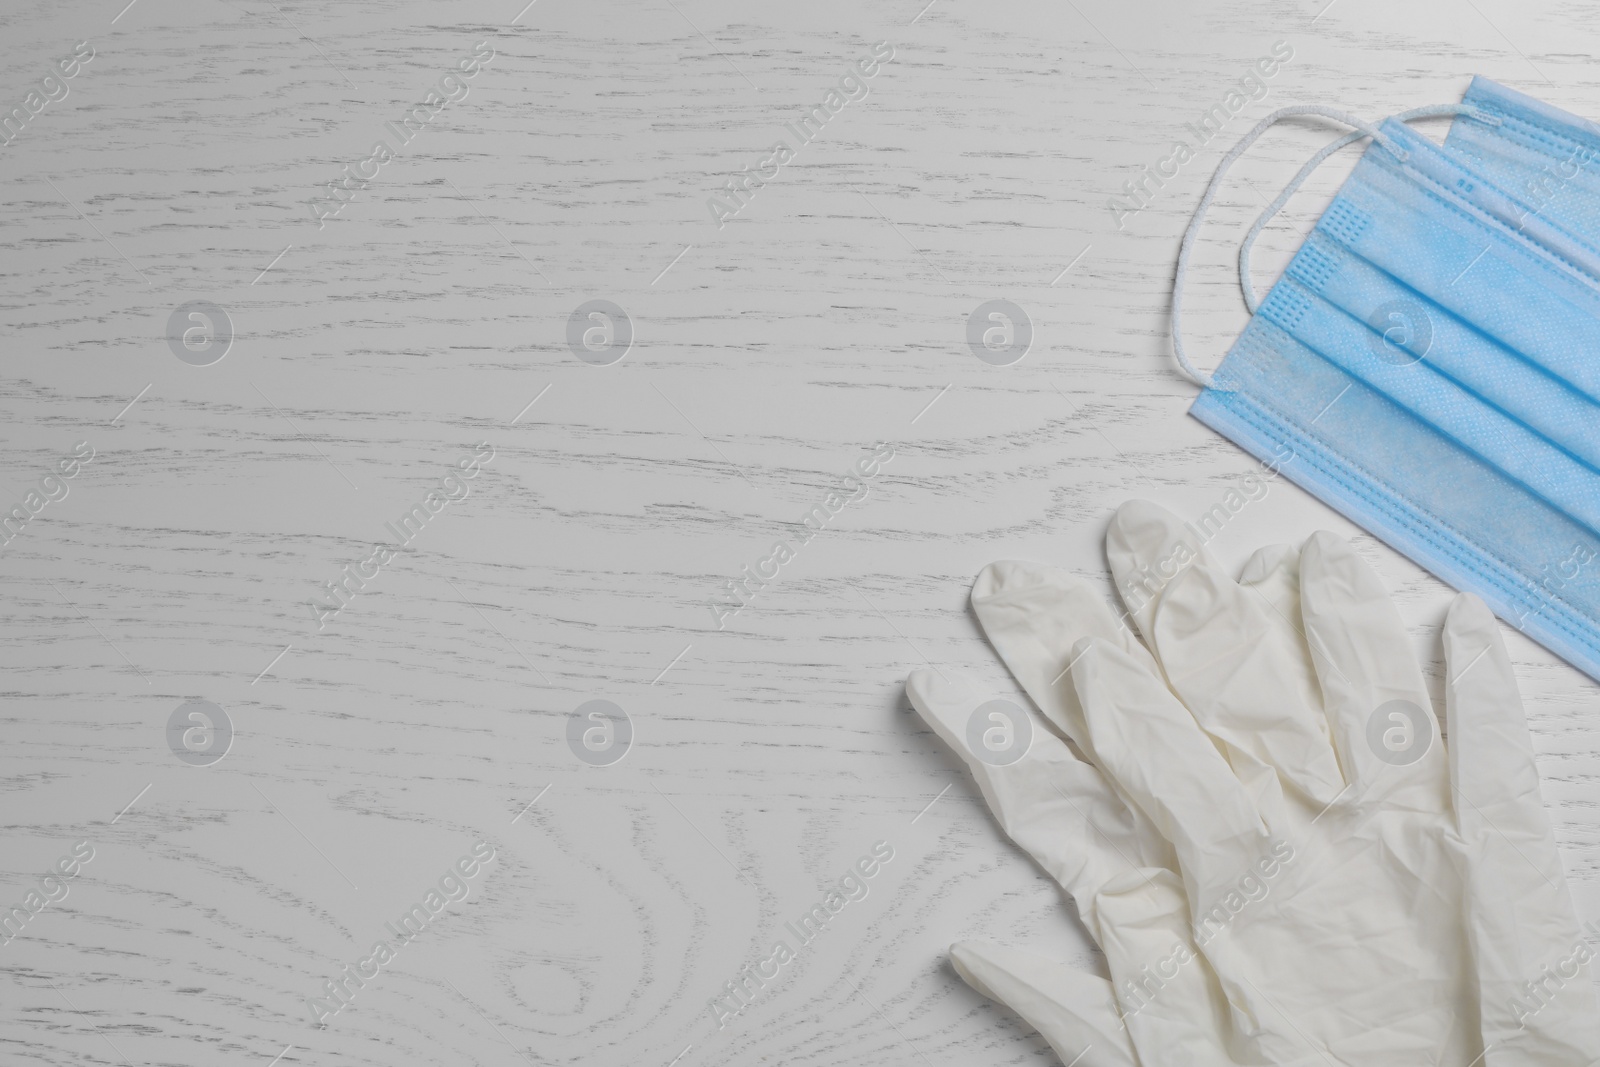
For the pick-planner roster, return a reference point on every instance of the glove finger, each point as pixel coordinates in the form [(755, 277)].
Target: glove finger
[(1156, 752), (1237, 661), (1061, 810), (1522, 923), (1377, 707), (1273, 573), (1148, 547), (1073, 1010), (1034, 615)]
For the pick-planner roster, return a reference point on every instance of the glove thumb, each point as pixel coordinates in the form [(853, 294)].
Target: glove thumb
[(1073, 1010)]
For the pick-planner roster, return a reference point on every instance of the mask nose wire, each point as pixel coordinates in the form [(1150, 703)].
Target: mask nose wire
[(1362, 128)]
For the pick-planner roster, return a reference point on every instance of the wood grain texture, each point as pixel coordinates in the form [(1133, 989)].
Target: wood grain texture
[(423, 319)]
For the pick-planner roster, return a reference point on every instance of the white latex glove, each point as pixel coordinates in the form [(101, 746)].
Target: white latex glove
[(1264, 835)]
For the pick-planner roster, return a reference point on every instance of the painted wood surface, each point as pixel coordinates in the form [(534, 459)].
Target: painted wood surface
[(427, 322)]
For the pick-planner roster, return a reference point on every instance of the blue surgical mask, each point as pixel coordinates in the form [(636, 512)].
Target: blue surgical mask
[(1431, 358)]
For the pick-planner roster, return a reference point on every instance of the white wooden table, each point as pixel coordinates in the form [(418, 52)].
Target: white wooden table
[(769, 354)]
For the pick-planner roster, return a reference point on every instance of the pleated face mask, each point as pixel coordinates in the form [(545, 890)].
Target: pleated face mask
[(1429, 363)]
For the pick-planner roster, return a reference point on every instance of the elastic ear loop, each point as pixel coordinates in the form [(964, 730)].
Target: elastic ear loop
[(1361, 127), (1251, 299)]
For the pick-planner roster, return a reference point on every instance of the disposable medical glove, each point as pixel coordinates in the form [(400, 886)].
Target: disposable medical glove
[(1258, 823)]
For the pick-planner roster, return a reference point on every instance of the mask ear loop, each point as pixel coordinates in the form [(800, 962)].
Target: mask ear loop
[(1364, 128), (1251, 299)]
